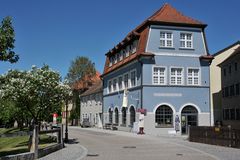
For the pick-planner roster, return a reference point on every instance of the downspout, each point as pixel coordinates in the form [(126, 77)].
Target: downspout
[(102, 101), (211, 109), (141, 84)]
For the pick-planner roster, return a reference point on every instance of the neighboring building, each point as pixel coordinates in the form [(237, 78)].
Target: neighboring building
[(164, 65), (78, 88), (230, 69), (215, 80), (91, 104)]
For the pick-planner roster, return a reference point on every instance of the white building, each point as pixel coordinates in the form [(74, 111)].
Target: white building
[(91, 104)]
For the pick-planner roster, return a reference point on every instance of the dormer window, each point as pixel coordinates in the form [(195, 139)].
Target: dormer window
[(120, 56), (110, 61), (127, 51), (166, 39), (130, 48), (186, 40), (134, 46), (115, 59), (124, 53)]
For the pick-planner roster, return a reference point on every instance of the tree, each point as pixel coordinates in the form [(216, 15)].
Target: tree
[(80, 67), (10, 112), (38, 91), (7, 39)]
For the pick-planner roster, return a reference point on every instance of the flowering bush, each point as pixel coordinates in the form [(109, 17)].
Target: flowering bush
[(38, 91)]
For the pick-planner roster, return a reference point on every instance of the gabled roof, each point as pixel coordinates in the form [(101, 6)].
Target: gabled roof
[(224, 49), (84, 84), (166, 15), (169, 14), (235, 53), (97, 87)]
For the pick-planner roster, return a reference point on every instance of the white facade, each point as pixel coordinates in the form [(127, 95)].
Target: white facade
[(91, 108)]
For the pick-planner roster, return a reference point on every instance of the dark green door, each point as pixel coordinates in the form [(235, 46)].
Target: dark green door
[(189, 117)]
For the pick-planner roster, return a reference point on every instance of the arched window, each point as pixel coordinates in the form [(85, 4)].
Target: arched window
[(164, 116), (110, 112), (116, 115), (132, 115), (189, 110), (124, 116)]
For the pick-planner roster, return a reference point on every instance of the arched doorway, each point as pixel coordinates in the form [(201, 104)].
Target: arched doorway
[(110, 113), (116, 116), (124, 116), (132, 115), (189, 116)]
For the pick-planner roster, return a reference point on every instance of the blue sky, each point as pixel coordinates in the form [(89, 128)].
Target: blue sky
[(54, 32)]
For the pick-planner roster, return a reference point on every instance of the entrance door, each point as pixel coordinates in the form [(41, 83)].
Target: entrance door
[(189, 117), (184, 124)]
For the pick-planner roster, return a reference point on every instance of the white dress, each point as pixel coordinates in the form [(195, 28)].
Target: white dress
[(141, 120)]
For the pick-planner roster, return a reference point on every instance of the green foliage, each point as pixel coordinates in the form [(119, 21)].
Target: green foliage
[(37, 92), (80, 67), (73, 115), (7, 39)]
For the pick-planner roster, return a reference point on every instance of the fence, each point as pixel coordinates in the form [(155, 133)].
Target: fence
[(222, 136), (34, 151), (34, 145)]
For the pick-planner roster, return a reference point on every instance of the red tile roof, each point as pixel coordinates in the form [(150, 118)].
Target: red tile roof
[(166, 15), (97, 87), (169, 14), (84, 84)]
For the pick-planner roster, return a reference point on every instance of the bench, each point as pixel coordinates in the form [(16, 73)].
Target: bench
[(110, 126)]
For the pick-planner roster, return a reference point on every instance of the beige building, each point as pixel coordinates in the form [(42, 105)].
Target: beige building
[(230, 72), (215, 81), (69, 109), (91, 105)]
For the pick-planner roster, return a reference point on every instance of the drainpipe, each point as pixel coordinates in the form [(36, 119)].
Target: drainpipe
[(141, 82), (102, 102)]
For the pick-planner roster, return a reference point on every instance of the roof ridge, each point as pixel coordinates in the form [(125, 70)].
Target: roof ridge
[(226, 48), (158, 11)]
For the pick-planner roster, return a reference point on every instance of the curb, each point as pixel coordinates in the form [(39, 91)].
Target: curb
[(84, 154)]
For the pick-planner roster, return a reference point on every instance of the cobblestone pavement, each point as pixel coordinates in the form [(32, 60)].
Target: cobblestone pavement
[(222, 153), (72, 151), (116, 145)]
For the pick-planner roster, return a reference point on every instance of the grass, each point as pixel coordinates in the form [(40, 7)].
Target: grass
[(11, 130), (15, 145)]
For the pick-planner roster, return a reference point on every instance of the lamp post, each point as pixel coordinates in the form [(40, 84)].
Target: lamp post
[(79, 114), (66, 128)]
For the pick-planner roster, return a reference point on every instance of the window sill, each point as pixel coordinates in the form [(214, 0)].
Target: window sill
[(194, 85), (160, 84), (192, 49), (176, 84), (163, 126), (172, 48)]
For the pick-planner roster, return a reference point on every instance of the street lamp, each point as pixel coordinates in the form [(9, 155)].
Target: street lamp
[(79, 114), (67, 99), (66, 128)]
